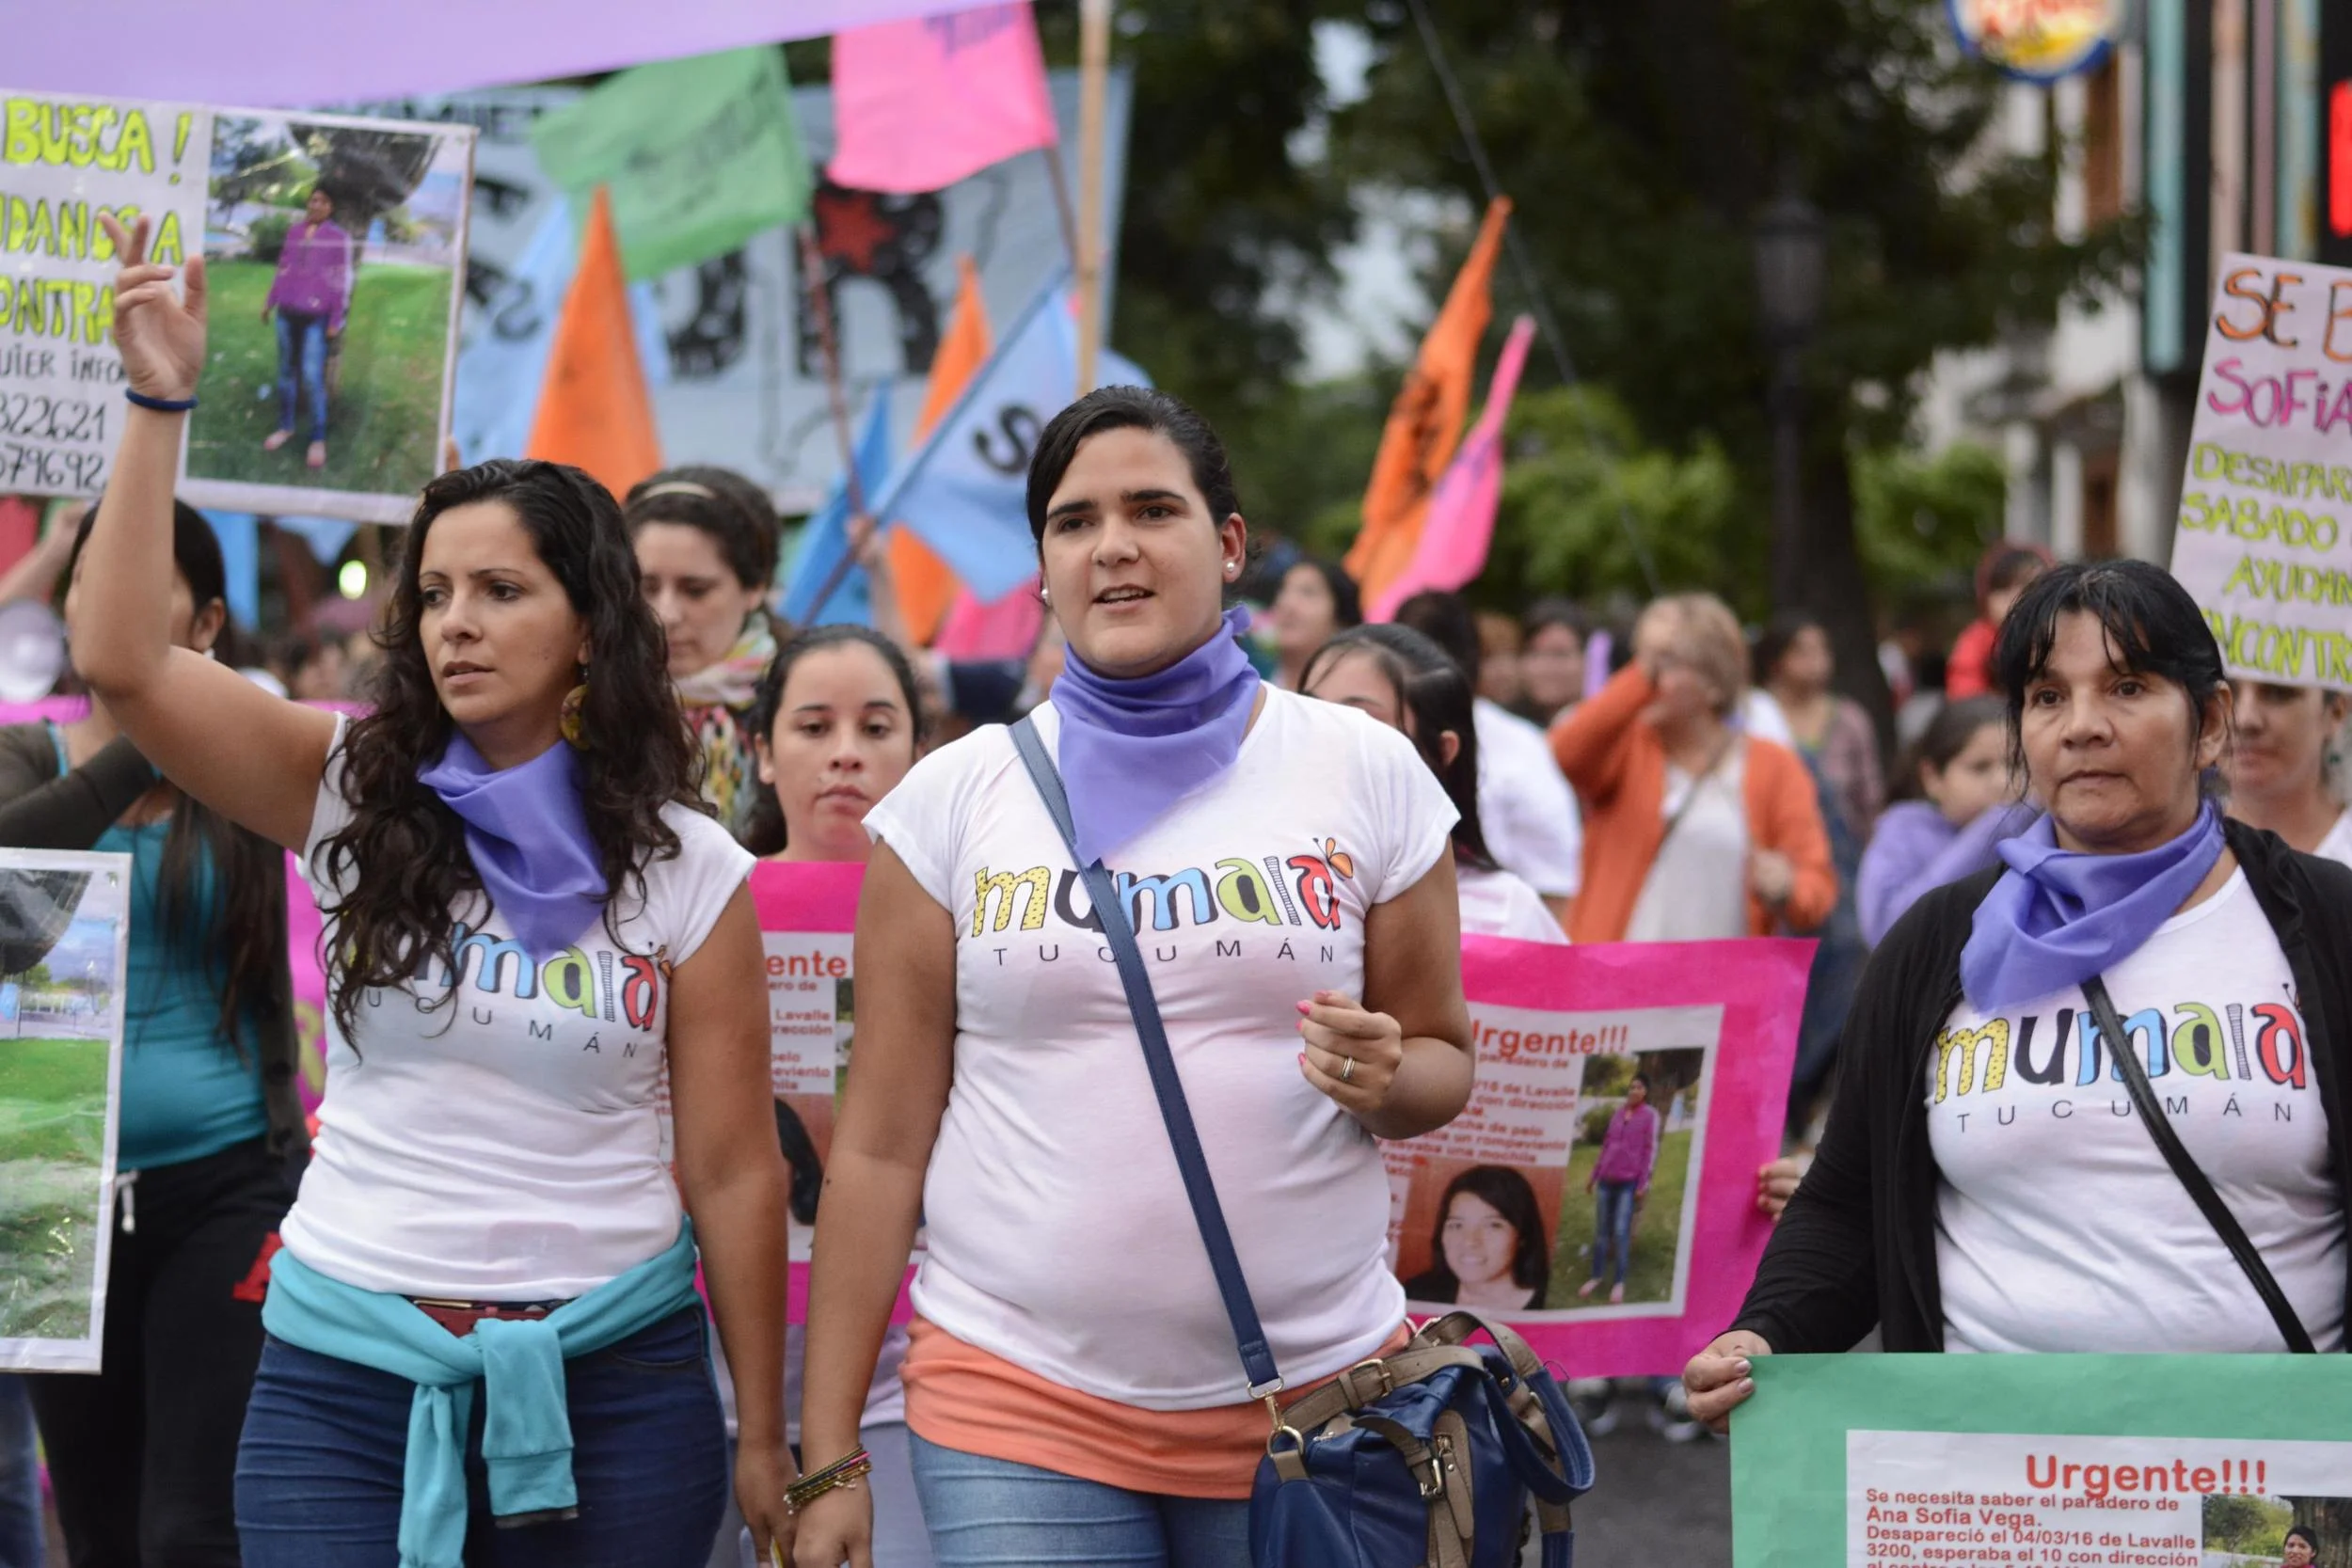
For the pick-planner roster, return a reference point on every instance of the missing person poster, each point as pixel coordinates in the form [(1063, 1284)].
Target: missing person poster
[(335, 251), (1598, 1192), (2096, 1461), (64, 933), (2267, 495)]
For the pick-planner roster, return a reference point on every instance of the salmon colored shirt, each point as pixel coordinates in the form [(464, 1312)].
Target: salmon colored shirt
[(960, 1396)]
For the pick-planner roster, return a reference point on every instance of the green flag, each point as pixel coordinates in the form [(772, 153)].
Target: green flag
[(700, 154)]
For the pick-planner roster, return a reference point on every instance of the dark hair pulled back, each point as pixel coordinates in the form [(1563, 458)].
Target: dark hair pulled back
[(402, 855), (1437, 693), (734, 511), (765, 833), (1131, 408)]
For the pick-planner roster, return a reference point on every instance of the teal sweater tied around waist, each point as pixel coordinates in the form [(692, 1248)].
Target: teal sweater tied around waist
[(518, 1363)]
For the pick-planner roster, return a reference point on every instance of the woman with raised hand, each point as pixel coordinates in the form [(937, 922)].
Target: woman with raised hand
[(705, 543), (1693, 831), (1408, 683), (143, 1457), (484, 1307), (2282, 768), (1980, 1078), (1286, 864)]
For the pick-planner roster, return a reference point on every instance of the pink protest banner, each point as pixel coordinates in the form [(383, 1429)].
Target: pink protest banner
[(1516, 1207), (807, 915), (921, 103)]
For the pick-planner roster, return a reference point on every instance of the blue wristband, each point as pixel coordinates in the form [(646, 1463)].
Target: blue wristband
[(161, 405)]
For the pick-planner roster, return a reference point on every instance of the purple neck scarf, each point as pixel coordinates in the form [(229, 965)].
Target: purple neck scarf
[(2058, 917), (528, 836), (1129, 749)]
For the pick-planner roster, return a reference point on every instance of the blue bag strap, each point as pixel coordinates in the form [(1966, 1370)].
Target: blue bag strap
[(1257, 1359)]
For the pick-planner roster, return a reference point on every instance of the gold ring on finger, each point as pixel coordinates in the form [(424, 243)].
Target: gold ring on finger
[(1347, 1070)]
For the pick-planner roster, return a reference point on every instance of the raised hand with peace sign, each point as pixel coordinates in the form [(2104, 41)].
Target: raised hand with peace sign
[(159, 333)]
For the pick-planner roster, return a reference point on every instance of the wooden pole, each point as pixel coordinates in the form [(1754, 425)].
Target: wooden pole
[(1094, 65)]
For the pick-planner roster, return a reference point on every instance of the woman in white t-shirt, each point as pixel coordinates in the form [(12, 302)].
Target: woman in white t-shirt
[(2280, 770), (1407, 682), (1987, 1181), (1073, 1386), (487, 1264)]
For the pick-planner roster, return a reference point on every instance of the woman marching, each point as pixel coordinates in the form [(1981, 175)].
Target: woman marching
[(484, 1305), (143, 1457), (2146, 1001), (705, 543), (2283, 771), (1288, 868)]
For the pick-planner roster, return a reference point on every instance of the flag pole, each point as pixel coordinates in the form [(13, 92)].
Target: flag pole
[(1058, 176), (1094, 64), (828, 350)]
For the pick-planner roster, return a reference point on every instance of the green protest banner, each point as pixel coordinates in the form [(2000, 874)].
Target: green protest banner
[(2056, 1461), (700, 154)]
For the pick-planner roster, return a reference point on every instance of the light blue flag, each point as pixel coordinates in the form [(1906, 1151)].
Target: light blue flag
[(825, 538), (1113, 369), (240, 536), (964, 490), (505, 362)]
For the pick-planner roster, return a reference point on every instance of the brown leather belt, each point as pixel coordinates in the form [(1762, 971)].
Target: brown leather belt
[(459, 1316)]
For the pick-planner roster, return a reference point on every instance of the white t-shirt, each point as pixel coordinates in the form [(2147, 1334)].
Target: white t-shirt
[(1697, 887), (1059, 1233), (2059, 1224), (2337, 845), (505, 1148), (1525, 805), (1497, 904)]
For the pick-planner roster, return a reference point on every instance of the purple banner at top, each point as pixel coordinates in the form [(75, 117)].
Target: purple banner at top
[(303, 53)]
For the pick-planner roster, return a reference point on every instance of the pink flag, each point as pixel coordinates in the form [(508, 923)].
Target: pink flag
[(1452, 545), (919, 104), (1007, 628)]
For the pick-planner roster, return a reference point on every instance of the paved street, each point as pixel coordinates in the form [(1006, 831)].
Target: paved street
[(1656, 1502)]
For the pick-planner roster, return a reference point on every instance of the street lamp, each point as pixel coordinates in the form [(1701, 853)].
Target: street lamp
[(1792, 258)]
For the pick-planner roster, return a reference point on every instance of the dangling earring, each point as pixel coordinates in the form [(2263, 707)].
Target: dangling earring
[(573, 722)]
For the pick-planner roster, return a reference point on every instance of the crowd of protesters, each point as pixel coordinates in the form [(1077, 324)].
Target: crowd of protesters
[(581, 720)]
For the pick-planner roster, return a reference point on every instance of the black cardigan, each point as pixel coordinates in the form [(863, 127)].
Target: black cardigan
[(42, 808), (1856, 1247)]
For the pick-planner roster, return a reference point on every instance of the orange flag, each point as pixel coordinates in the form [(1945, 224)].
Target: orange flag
[(594, 409), (926, 586), (1425, 421)]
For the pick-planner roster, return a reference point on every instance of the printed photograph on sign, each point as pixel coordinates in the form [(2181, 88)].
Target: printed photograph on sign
[(336, 252), (64, 923), (2244, 1531), (1565, 1189)]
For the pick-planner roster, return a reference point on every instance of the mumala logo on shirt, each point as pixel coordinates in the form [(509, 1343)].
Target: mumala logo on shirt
[(2188, 1046), (604, 986), (1300, 890)]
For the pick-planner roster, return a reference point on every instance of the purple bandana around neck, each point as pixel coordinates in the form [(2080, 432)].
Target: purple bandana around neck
[(1129, 749), (527, 833), (2058, 917)]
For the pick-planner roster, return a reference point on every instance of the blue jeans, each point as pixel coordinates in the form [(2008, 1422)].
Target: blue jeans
[(23, 1543), (1613, 1225), (319, 1472), (301, 357), (986, 1512)]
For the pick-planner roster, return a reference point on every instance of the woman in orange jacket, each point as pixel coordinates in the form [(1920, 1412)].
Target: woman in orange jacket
[(1692, 830)]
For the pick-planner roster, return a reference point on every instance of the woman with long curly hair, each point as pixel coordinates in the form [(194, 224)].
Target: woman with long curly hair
[(485, 1308)]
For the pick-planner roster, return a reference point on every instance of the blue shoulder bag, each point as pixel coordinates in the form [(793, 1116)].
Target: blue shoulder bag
[(1427, 1457)]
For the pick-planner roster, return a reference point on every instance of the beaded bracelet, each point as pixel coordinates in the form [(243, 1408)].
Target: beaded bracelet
[(842, 1475)]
